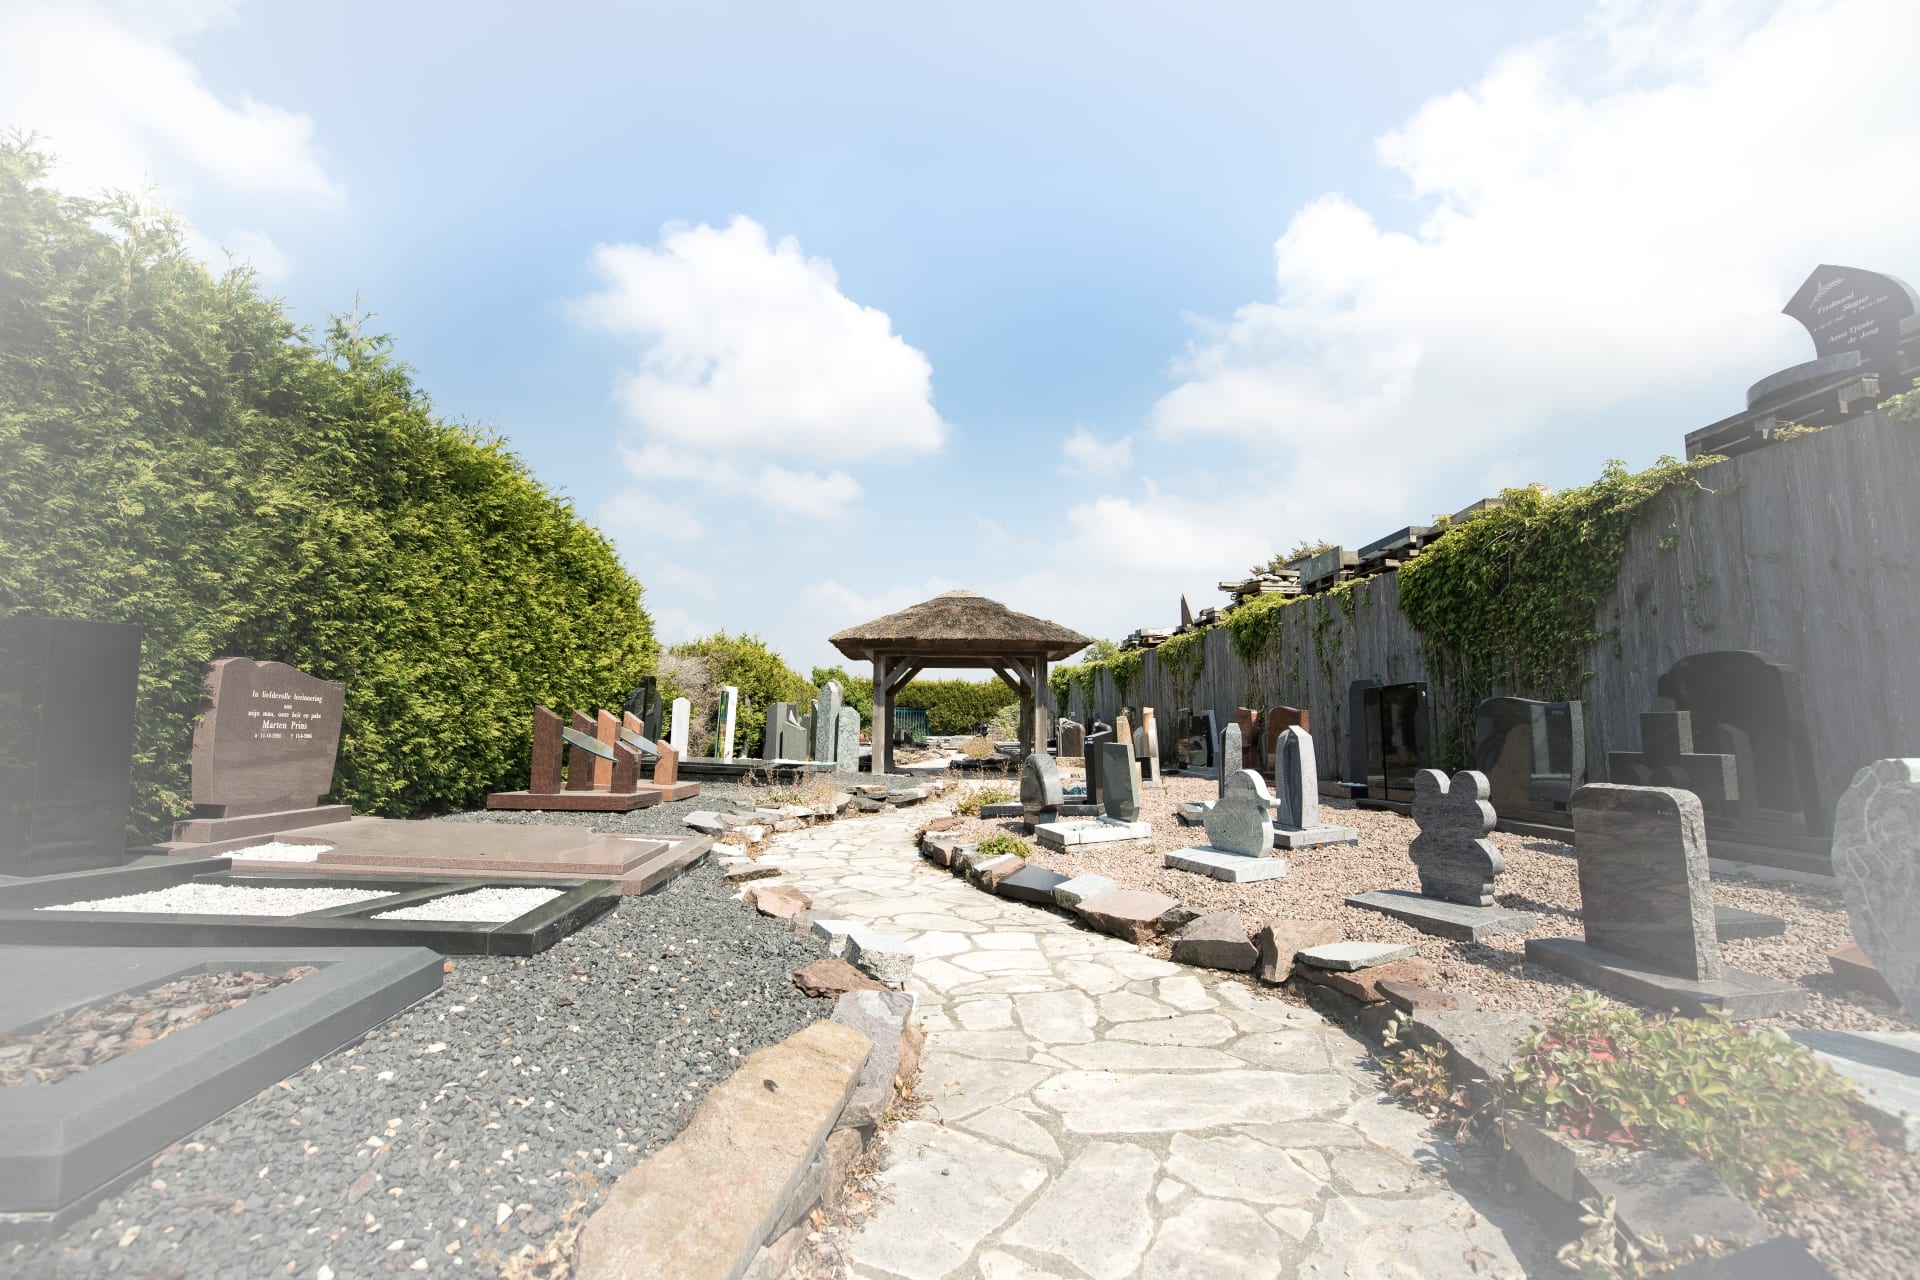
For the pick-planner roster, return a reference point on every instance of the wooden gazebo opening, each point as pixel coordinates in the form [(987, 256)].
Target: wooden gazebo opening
[(956, 629)]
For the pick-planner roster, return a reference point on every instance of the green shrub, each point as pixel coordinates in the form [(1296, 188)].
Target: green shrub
[(175, 454), (956, 706), (1000, 844), (971, 803), (1768, 1116)]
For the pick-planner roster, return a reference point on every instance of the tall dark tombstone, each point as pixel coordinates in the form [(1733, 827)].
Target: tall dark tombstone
[(1746, 705), (1360, 714), (1401, 742), (1199, 737), (1094, 741), (645, 702), (1534, 755), (67, 690)]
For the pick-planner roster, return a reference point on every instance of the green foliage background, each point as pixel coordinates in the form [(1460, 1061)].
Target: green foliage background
[(760, 674), (174, 453), (952, 706)]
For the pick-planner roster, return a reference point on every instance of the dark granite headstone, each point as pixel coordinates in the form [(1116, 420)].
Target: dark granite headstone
[(1073, 739), (1119, 782), (1748, 706), (1533, 753), (645, 702), (1457, 863), (1401, 743), (1644, 893), (67, 690), (1095, 740), (1667, 759), (1847, 309), (1198, 740), (1360, 714), (267, 743)]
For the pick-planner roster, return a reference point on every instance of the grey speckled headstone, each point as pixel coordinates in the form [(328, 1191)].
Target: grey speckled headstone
[(1231, 753), (1241, 820), (1119, 782), (846, 740), (826, 720), (1040, 795), (1296, 779), (1457, 863), (1876, 855), (1643, 876)]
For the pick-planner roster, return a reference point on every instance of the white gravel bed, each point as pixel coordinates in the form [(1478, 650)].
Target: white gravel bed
[(486, 906), (226, 900), (279, 851)]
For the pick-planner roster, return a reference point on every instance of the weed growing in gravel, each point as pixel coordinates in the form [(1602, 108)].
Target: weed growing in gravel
[(970, 804), (1000, 844), (1768, 1116), (977, 748)]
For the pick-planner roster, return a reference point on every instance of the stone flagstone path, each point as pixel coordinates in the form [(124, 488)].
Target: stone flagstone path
[(1096, 1112)]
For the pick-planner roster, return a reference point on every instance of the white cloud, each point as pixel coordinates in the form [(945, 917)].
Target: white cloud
[(1611, 215), (121, 107), (1086, 453)]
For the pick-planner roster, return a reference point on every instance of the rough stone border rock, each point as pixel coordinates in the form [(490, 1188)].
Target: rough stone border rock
[(732, 1195)]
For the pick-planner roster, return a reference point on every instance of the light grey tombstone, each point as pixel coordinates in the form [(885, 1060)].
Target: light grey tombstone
[(1296, 780), (1241, 820), (1457, 863), (826, 720), (677, 736), (1644, 890), (770, 740), (1040, 791), (1119, 782), (846, 740), (1876, 856), (1230, 756)]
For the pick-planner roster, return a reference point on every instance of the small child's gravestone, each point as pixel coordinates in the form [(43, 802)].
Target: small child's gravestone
[(1456, 862)]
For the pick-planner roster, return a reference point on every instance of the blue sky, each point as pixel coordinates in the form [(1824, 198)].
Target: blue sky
[(819, 311)]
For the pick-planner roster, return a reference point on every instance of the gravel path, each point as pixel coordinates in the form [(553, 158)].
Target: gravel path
[(477, 1126), (1541, 877)]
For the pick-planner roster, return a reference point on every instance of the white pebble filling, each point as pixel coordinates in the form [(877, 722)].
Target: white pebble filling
[(279, 851), (226, 900), (485, 906)]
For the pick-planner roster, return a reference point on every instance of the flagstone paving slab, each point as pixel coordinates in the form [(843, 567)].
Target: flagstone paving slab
[(1095, 1111)]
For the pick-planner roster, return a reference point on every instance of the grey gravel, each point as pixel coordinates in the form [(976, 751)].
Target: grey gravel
[(530, 1083)]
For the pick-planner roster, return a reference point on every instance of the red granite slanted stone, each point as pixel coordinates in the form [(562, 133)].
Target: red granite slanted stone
[(1126, 913), (666, 769), (1364, 984), (580, 763), (544, 779), (1279, 940), (832, 977), (607, 730)]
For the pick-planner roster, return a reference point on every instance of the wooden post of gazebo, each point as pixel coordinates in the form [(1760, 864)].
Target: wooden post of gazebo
[(957, 629)]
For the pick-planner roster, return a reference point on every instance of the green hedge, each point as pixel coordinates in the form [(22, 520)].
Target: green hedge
[(760, 674), (952, 706), (175, 454)]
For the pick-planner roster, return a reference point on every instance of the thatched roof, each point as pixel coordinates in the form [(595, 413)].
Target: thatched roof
[(959, 622)]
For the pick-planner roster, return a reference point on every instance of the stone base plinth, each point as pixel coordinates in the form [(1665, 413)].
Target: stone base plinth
[(1064, 835), (1441, 918), (1737, 994), (1313, 837), (576, 801), (1224, 864), (208, 830)]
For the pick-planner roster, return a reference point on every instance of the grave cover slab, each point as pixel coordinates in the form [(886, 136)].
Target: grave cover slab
[(24, 916), (64, 1145)]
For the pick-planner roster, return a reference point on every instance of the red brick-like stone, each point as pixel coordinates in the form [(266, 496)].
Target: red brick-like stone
[(833, 977), (1279, 940), (1126, 913), (781, 901), (544, 778), (1364, 984), (667, 768)]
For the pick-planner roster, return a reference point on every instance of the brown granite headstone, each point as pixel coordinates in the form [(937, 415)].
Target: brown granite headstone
[(544, 779), (607, 730), (1249, 721), (624, 768), (267, 743), (667, 768), (580, 764), (1277, 721), (1123, 728)]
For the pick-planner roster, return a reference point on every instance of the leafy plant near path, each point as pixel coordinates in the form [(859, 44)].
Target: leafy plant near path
[(1000, 844), (971, 803), (1769, 1117)]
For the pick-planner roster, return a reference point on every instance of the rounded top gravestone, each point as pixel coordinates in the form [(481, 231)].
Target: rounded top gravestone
[(1876, 855), (1039, 787), (1456, 861), (1241, 820), (268, 741)]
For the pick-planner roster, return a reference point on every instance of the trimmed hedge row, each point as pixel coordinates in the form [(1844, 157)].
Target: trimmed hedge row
[(175, 454)]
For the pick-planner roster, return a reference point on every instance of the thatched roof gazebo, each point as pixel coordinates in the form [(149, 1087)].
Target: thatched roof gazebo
[(956, 629)]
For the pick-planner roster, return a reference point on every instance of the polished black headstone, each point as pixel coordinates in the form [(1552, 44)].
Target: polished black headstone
[(1748, 706), (1533, 753), (67, 690), (1400, 739), (1360, 713), (1847, 309)]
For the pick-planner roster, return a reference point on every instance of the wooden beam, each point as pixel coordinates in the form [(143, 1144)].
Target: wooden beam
[(882, 717), (902, 680), (1014, 681)]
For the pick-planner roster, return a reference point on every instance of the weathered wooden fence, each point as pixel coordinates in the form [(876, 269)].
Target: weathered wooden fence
[(1807, 550)]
